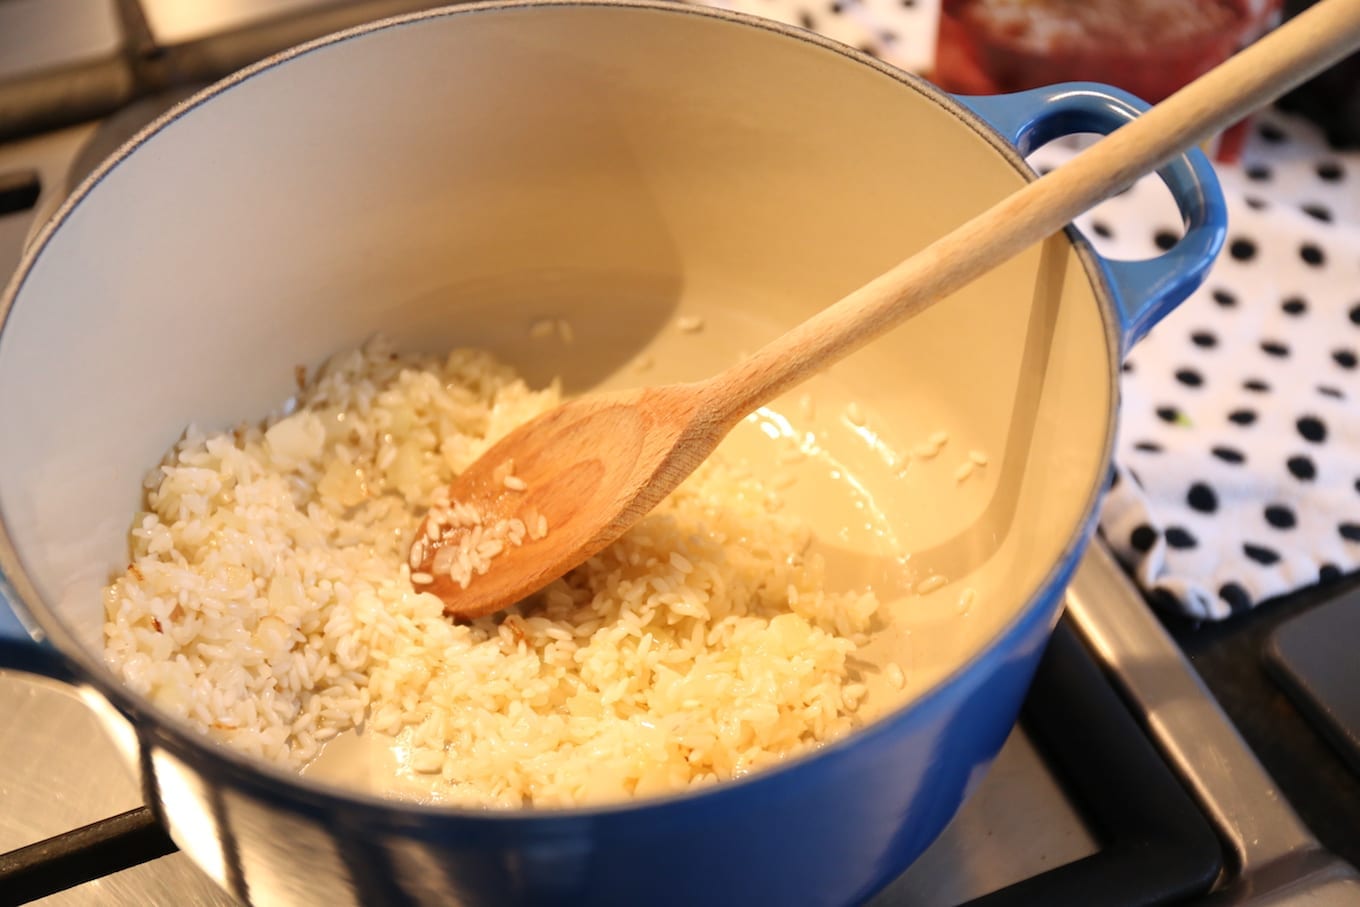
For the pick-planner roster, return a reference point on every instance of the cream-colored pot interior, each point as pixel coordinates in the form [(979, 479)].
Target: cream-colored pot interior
[(453, 181)]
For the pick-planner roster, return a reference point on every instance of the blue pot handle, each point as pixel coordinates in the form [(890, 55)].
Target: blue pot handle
[(1144, 291), (22, 647)]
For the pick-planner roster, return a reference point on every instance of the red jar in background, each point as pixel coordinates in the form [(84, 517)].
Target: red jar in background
[(1147, 47)]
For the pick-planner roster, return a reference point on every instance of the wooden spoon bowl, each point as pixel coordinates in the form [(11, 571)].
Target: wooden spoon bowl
[(591, 468)]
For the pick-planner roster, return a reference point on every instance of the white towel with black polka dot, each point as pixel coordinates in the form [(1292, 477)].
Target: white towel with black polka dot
[(1237, 473), (1238, 465), (901, 32)]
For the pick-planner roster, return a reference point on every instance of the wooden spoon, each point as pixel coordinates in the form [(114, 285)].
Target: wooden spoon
[(594, 466)]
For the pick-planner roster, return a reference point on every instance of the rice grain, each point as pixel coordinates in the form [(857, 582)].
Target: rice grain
[(268, 600)]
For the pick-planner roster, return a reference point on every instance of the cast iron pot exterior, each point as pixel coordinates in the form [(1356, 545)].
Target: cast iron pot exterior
[(831, 827)]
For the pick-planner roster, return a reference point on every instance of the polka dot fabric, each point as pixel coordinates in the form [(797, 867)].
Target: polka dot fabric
[(902, 32), (1237, 475)]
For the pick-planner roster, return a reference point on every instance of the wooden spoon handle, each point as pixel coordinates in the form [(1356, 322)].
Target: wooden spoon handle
[(1252, 78)]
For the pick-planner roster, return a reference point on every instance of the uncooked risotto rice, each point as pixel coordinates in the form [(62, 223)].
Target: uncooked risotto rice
[(268, 601)]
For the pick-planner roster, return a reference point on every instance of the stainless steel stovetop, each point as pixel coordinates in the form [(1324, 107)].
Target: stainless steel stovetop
[(1030, 819)]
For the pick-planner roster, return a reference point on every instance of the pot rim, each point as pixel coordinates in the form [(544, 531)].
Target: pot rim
[(247, 772)]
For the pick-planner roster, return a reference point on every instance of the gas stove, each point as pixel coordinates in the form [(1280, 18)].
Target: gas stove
[(1124, 783)]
